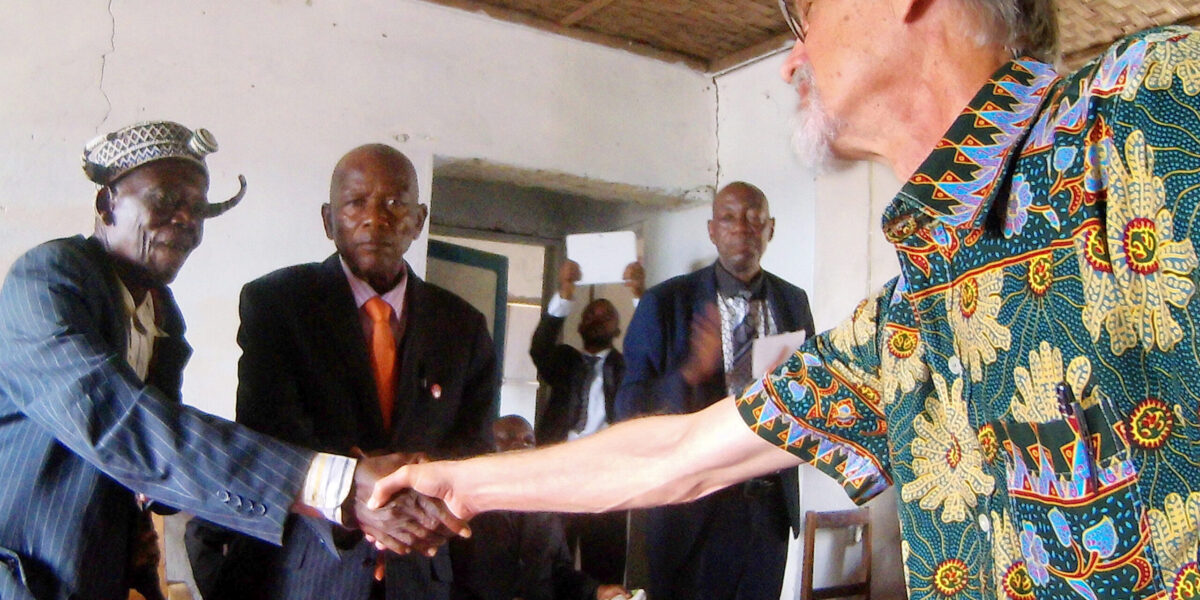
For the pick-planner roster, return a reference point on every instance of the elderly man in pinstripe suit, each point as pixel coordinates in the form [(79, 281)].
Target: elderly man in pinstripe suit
[(91, 357)]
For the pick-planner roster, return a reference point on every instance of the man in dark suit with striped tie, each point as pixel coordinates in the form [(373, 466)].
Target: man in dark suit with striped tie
[(583, 384), (687, 347), (91, 359), (358, 353)]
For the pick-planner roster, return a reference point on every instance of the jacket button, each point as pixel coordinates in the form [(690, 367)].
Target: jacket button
[(223, 496)]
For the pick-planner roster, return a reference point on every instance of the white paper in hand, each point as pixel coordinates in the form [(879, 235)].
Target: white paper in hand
[(771, 350), (602, 257)]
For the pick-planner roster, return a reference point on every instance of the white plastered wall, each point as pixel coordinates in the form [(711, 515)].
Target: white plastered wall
[(827, 241), (287, 87)]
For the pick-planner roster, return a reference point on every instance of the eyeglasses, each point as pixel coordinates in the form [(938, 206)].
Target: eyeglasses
[(797, 23)]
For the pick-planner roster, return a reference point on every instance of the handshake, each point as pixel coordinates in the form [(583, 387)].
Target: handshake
[(408, 521)]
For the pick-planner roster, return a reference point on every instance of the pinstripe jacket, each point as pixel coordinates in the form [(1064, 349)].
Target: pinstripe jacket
[(79, 431)]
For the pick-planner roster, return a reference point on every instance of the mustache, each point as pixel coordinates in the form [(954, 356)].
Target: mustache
[(813, 128)]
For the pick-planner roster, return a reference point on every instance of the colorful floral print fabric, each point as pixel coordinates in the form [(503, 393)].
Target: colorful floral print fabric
[(1031, 381)]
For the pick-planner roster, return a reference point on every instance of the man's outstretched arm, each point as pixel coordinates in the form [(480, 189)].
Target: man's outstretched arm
[(644, 462)]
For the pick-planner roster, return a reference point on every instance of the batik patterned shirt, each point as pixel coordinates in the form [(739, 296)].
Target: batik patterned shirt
[(1048, 254)]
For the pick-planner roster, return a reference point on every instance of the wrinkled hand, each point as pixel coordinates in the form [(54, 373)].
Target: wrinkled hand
[(635, 278), (568, 274), (409, 522), (611, 590), (704, 356)]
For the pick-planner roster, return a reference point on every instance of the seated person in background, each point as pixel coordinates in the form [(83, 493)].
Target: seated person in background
[(520, 555), (583, 384)]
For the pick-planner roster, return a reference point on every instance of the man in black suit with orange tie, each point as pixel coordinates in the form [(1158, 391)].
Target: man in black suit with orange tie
[(359, 354)]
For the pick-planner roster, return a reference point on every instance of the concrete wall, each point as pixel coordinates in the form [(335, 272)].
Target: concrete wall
[(288, 86)]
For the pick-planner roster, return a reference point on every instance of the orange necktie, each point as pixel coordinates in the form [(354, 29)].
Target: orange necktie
[(383, 356)]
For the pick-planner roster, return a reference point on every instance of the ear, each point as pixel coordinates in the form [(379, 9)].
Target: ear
[(424, 215), (909, 10), (770, 229), (712, 231), (104, 205), (327, 220)]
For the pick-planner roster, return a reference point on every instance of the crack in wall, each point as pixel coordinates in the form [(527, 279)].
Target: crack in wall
[(112, 46), (717, 130)]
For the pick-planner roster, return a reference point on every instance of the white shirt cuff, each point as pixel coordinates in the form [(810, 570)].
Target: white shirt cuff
[(559, 307), (328, 483)]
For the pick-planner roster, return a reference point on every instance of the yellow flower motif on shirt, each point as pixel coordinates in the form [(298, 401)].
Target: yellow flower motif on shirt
[(972, 306), (1174, 530), (902, 361), (1102, 307), (947, 463), (1151, 267), (1012, 578), (858, 330), (1037, 399), (865, 385), (1171, 52)]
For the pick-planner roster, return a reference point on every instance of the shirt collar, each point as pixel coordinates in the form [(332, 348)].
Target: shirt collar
[(141, 316), (959, 179), (363, 291), (603, 354), (730, 286)]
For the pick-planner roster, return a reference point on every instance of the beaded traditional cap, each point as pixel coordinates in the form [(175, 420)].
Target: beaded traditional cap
[(108, 157)]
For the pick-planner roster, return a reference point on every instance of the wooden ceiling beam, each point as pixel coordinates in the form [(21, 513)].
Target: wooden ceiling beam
[(752, 53), (584, 12), (520, 18)]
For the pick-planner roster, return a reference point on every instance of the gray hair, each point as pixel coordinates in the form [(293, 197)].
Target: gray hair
[(1023, 26)]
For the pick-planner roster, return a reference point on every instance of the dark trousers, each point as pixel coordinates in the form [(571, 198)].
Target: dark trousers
[(601, 542), (739, 551)]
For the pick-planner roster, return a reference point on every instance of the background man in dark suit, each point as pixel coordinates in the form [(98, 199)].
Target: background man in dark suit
[(308, 375), (91, 359), (583, 385), (687, 347), (521, 555)]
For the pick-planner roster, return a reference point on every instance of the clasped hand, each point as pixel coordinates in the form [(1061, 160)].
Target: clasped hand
[(409, 521)]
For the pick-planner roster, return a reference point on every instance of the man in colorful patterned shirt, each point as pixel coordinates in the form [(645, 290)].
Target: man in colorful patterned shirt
[(1029, 381)]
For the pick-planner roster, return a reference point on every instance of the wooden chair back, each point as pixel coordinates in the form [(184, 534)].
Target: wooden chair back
[(836, 519)]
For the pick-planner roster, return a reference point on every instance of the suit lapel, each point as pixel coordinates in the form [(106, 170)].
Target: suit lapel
[(170, 352), (783, 310), (410, 384), (706, 295), (336, 317)]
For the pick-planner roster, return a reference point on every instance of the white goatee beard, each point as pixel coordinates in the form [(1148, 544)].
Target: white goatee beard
[(813, 129)]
